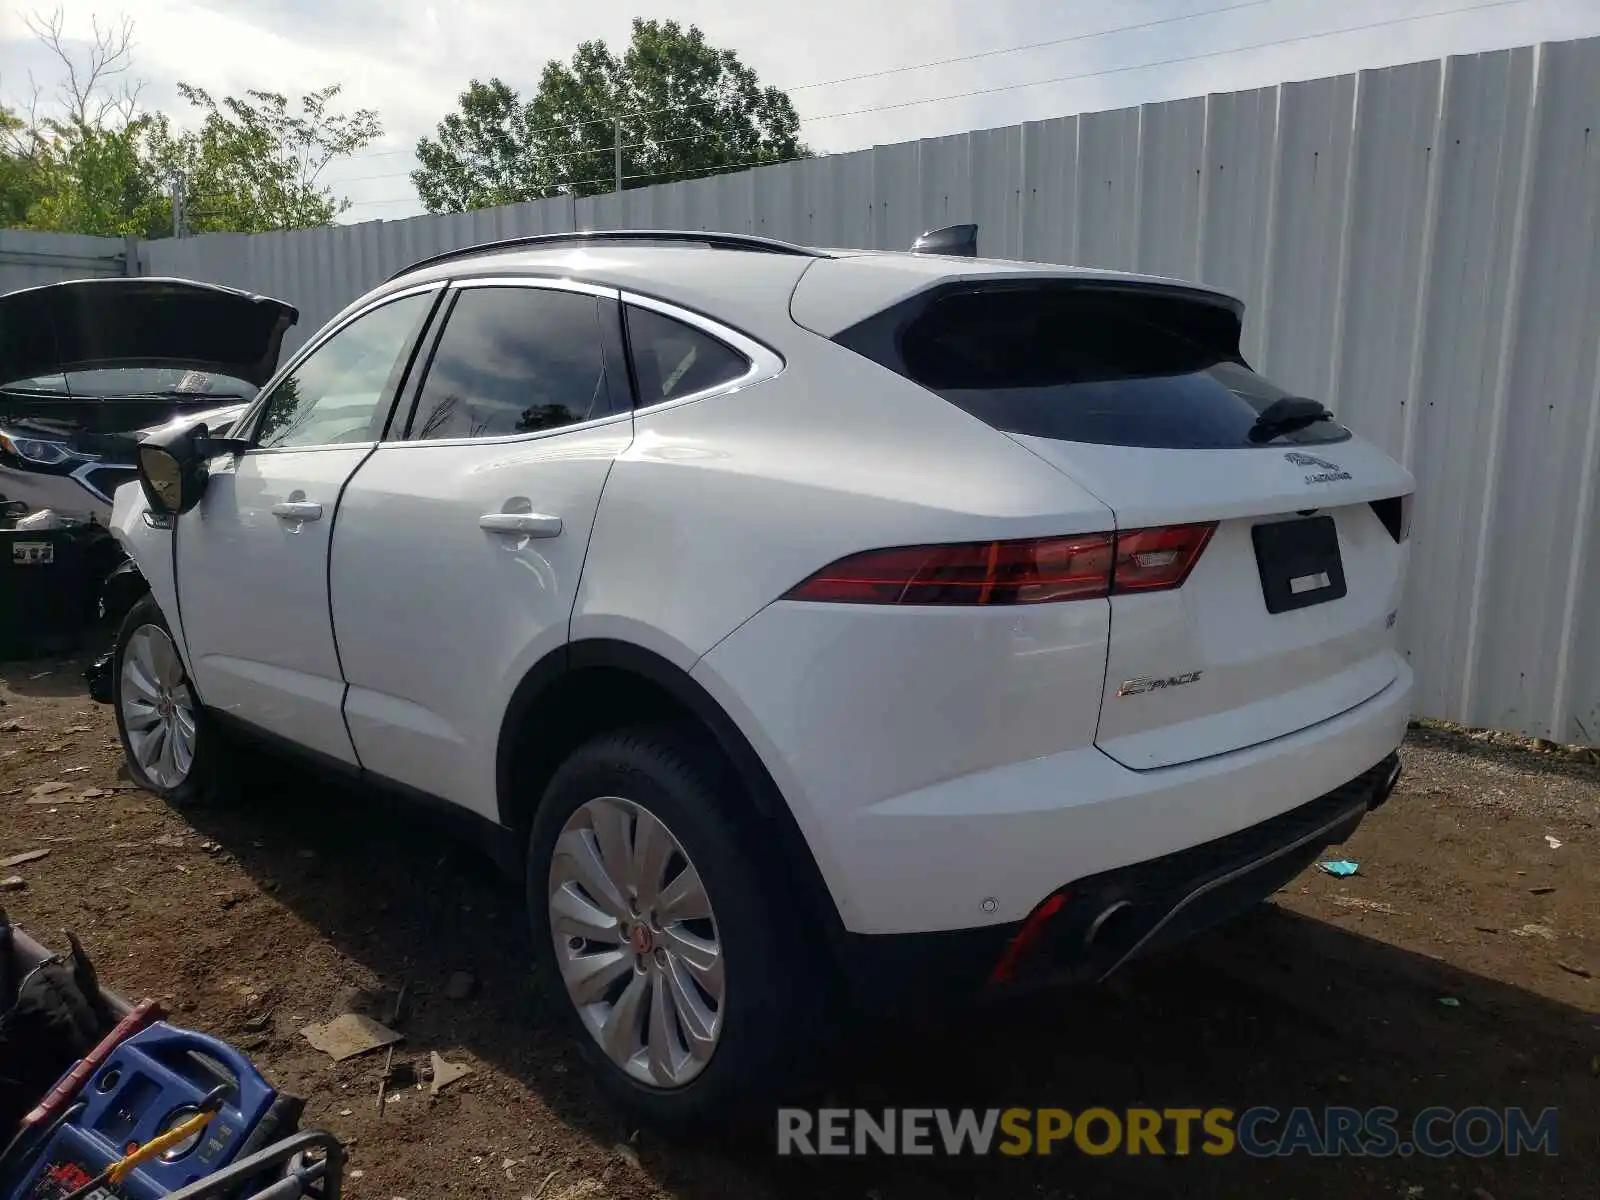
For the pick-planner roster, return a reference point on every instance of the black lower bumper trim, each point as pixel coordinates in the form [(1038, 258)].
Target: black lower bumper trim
[(1117, 915)]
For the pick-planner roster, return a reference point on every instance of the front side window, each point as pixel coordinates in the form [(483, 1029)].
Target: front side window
[(514, 360), (340, 392)]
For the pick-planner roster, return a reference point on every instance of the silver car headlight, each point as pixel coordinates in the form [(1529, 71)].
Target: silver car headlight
[(39, 451)]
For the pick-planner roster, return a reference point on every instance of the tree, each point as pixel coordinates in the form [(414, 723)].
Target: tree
[(681, 106), (84, 170), (26, 173), (101, 164), (255, 163)]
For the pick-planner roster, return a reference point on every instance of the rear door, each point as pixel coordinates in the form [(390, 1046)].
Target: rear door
[(1138, 394), (461, 539)]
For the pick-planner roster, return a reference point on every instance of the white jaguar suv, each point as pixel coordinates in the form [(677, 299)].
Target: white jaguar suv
[(799, 626)]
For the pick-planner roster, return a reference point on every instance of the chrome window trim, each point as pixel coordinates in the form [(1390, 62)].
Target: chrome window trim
[(247, 419)]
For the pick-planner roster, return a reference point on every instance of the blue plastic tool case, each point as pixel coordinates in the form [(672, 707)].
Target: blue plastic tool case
[(150, 1083)]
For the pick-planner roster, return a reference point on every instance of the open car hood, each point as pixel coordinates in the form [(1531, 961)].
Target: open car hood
[(86, 324)]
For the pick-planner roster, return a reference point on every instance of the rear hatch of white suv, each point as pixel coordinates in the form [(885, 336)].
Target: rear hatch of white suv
[(1288, 533)]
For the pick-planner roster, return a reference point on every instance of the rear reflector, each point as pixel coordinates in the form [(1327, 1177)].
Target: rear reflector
[(1027, 571), (1022, 945)]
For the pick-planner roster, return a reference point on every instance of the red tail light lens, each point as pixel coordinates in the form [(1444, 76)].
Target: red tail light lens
[(1150, 560), (1027, 571), (1031, 571)]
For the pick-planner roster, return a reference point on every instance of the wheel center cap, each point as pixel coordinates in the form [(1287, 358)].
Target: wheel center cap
[(641, 938)]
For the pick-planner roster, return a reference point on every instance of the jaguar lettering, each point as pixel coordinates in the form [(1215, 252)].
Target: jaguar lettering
[(1329, 473)]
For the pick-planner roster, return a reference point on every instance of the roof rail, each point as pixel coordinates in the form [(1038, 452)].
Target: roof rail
[(538, 241)]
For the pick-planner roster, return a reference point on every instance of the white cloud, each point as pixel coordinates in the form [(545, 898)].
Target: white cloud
[(409, 58)]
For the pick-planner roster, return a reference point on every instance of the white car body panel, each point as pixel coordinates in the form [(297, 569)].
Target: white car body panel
[(723, 504), (439, 619), (150, 547), (253, 589), (864, 704)]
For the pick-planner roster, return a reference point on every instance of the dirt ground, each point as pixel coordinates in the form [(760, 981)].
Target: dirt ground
[(251, 920)]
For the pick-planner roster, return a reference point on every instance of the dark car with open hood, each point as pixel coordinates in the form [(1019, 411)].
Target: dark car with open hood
[(88, 369), (90, 365)]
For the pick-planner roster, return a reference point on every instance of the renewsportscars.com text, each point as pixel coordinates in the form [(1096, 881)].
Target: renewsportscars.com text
[(1258, 1132)]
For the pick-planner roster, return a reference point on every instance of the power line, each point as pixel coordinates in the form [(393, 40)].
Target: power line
[(1166, 62), (564, 154), (680, 173), (1062, 79), (922, 66), (1082, 37)]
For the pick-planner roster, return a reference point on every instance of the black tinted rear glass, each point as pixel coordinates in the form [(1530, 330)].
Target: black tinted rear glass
[(671, 359), (1088, 365)]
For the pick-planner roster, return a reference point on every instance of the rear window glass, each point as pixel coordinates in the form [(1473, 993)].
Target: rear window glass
[(671, 359), (1088, 365)]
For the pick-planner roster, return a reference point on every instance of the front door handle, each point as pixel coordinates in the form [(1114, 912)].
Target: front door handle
[(526, 524), (298, 510)]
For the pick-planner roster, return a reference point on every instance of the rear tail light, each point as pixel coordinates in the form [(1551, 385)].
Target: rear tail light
[(1395, 513), (1151, 560), (1026, 571)]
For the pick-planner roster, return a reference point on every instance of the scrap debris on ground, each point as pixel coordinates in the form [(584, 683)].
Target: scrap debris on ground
[(1456, 967)]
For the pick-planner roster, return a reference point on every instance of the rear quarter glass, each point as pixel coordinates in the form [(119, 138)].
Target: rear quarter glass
[(1156, 367)]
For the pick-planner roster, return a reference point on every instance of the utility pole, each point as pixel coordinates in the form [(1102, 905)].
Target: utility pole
[(616, 150), (180, 207)]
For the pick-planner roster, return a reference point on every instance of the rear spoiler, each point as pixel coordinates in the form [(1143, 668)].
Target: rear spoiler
[(960, 241)]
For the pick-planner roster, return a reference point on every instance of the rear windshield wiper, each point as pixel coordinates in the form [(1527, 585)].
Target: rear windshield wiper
[(1287, 414)]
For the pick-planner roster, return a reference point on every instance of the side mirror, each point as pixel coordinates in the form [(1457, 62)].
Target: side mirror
[(172, 467)]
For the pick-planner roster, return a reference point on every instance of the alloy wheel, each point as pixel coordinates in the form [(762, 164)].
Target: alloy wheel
[(158, 709), (637, 942)]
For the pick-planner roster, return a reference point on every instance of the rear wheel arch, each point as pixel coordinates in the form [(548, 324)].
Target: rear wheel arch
[(596, 686)]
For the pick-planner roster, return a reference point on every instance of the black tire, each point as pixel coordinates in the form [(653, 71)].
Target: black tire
[(771, 1019), (204, 775)]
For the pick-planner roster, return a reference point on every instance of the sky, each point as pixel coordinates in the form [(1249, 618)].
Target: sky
[(409, 59)]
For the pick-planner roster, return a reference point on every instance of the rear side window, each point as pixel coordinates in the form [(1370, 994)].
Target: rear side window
[(672, 359), (514, 360), (1085, 364)]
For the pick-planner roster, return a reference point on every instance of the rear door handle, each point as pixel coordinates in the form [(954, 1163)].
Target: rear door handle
[(298, 510), (526, 524)]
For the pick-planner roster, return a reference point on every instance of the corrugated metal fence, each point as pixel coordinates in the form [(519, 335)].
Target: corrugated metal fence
[(28, 259), (1419, 245)]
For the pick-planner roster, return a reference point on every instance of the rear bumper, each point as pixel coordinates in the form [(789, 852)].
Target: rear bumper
[(1091, 927), (987, 848)]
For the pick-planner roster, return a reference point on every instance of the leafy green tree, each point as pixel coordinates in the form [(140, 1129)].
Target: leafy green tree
[(26, 172), (685, 108), (256, 162), (101, 164), (99, 181), (84, 169)]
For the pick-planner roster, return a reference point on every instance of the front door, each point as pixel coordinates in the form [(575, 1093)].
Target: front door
[(252, 558)]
